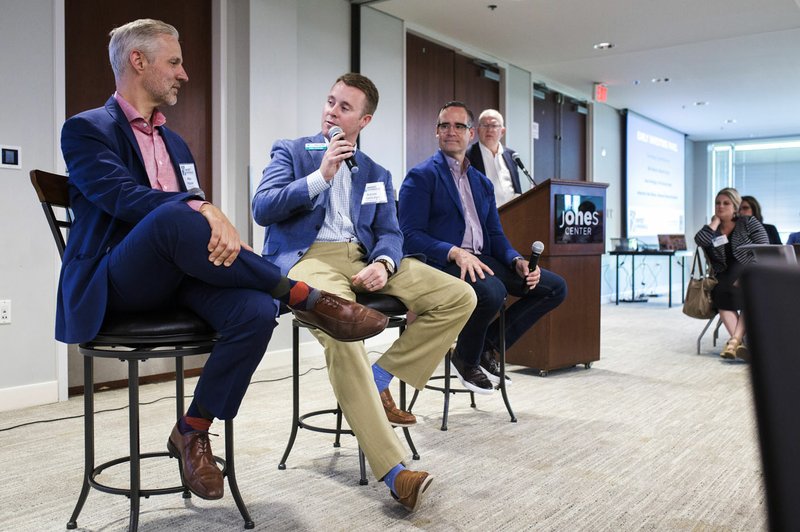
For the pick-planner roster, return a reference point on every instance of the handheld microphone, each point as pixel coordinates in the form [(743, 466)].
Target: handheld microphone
[(350, 161), (536, 251), (522, 167)]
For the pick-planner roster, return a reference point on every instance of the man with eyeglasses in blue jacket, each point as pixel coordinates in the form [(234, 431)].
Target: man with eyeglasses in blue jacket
[(448, 214)]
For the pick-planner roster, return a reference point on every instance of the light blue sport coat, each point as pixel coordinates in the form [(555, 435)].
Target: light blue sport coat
[(292, 220)]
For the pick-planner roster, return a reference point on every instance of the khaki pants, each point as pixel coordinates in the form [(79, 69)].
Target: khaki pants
[(442, 303)]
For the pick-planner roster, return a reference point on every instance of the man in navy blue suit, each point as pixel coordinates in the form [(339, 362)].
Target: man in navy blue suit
[(143, 238), (448, 214), (492, 159)]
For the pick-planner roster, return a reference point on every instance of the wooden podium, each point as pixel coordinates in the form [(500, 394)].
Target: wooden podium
[(569, 218)]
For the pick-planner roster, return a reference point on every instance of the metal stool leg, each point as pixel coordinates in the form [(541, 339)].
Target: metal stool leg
[(503, 364), (179, 405), (337, 441), (230, 472), (406, 432), (88, 438), (362, 465), (295, 393), (133, 427), (446, 390)]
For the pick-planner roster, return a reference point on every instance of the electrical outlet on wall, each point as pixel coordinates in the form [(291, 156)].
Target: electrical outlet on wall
[(5, 311)]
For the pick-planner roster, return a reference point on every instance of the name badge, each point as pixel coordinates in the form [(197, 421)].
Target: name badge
[(189, 175), (374, 193), (316, 146), (721, 240)]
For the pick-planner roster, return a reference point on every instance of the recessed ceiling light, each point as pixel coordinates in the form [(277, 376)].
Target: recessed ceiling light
[(700, 104), (660, 80), (636, 82), (603, 46), (730, 121)]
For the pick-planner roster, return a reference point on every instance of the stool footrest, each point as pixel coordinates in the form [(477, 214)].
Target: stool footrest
[(316, 428), (143, 492)]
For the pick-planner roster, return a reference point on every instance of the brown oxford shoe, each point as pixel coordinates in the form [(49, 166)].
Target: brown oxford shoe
[(410, 487), (199, 471), (397, 417), (344, 320)]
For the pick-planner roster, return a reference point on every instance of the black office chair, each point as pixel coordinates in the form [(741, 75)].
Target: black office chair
[(132, 338), (447, 388), (771, 294), (396, 310)]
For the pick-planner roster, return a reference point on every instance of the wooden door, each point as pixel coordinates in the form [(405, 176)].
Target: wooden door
[(436, 75), (90, 81)]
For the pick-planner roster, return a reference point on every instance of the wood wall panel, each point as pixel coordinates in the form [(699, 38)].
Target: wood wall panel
[(560, 150), (573, 142), (476, 91), (544, 147), (89, 80), (429, 85), (436, 75)]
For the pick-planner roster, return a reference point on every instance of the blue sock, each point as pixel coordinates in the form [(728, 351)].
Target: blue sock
[(391, 475), (381, 376)]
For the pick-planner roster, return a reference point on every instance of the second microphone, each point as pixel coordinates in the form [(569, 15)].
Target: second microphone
[(536, 251)]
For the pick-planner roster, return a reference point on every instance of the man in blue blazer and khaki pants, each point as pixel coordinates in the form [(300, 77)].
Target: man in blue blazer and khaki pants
[(337, 229), (143, 238)]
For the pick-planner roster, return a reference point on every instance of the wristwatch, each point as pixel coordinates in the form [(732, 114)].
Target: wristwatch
[(514, 262), (387, 265)]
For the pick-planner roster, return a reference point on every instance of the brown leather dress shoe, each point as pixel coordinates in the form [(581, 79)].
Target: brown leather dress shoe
[(199, 471), (410, 487), (397, 417), (344, 320)]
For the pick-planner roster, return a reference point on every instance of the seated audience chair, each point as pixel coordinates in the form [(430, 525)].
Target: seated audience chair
[(447, 389), (715, 336), (392, 307), (771, 293), (132, 338)]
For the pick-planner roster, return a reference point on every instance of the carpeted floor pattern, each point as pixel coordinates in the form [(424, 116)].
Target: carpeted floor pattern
[(652, 437)]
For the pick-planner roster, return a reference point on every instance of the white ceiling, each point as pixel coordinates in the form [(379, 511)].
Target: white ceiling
[(741, 57)]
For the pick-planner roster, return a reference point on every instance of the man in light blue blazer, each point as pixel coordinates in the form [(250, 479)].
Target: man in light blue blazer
[(448, 213), (336, 228)]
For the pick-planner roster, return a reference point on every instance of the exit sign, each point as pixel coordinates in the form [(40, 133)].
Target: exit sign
[(600, 92)]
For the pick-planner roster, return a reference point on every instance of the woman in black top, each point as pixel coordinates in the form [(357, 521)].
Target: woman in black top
[(721, 240), (751, 207)]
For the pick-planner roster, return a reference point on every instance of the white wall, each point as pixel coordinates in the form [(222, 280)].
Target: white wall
[(383, 61), (32, 114), (297, 50), (517, 101)]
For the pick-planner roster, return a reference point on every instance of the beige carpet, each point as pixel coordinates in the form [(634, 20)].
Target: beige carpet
[(652, 437)]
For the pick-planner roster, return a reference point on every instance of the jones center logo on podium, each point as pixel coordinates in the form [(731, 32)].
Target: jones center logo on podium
[(579, 219)]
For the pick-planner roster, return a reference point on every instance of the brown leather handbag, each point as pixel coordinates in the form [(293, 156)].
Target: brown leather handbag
[(697, 303)]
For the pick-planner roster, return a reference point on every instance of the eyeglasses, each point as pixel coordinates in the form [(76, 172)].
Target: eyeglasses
[(443, 126), (492, 127)]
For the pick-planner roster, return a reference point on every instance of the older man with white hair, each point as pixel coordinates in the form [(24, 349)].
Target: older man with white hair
[(492, 159)]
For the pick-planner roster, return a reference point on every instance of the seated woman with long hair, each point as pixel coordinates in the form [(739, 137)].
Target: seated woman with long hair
[(721, 239), (751, 207)]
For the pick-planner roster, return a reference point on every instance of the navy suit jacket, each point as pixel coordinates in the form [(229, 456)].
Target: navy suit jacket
[(476, 159), (432, 218), (292, 220), (109, 194)]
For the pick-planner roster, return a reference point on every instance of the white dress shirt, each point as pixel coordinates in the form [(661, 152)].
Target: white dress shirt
[(499, 174)]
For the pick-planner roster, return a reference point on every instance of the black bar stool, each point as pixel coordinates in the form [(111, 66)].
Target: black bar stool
[(132, 338), (446, 389), (396, 311)]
